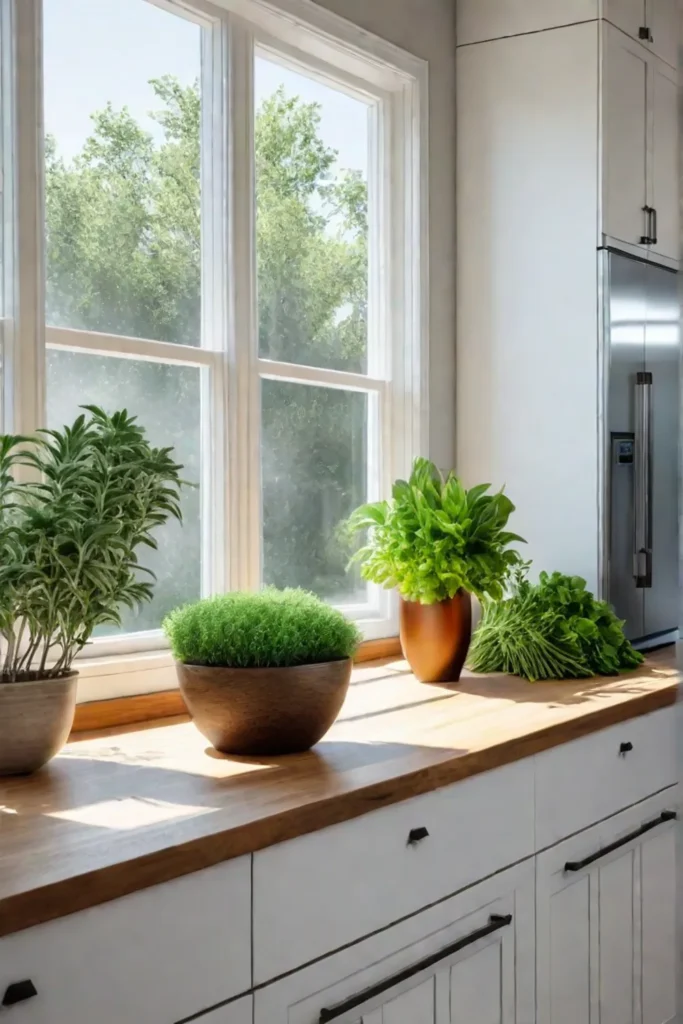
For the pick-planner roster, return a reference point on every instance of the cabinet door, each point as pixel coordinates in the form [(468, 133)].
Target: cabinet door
[(606, 930), (662, 19), (664, 158), (468, 959), (625, 136), (628, 15), (658, 926)]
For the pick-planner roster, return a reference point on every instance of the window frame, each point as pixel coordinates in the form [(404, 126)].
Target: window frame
[(295, 32)]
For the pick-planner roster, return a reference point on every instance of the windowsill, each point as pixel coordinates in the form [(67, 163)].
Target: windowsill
[(139, 688)]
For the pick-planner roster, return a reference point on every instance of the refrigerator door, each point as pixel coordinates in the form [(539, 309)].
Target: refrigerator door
[(625, 338), (662, 361)]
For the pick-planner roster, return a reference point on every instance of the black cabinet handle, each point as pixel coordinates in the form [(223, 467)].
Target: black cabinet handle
[(653, 225), (647, 239), (625, 748), (19, 992), (416, 835), (577, 865), (496, 922), (644, 32)]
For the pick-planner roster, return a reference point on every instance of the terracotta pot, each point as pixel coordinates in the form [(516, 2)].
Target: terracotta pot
[(35, 722), (435, 638), (265, 710)]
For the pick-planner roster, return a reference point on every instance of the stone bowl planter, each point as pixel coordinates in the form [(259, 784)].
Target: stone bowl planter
[(264, 711), (35, 722)]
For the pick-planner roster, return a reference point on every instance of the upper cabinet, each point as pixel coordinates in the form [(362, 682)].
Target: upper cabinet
[(478, 20), (654, 23), (640, 148)]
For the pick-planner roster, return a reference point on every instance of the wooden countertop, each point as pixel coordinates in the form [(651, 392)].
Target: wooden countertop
[(118, 812)]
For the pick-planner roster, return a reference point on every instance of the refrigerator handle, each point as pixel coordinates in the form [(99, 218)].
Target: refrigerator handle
[(642, 482)]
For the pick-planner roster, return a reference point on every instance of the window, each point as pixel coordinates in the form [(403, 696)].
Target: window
[(214, 216)]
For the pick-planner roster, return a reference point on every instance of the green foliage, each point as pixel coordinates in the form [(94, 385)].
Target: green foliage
[(91, 494), (434, 537), (272, 628), (554, 629), (124, 257)]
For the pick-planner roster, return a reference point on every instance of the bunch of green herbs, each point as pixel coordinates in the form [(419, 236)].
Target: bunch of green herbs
[(554, 629), (268, 629), (434, 538)]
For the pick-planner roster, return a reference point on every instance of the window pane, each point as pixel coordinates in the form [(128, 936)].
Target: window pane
[(166, 400), (122, 116), (314, 469), (311, 220)]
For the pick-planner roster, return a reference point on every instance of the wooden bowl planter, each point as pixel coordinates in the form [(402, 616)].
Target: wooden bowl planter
[(35, 721), (264, 711), (435, 638)]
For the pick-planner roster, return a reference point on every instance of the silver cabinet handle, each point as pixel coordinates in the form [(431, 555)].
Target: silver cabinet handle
[(642, 482)]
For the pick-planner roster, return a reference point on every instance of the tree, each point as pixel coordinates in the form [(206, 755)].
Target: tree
[(124, 257)]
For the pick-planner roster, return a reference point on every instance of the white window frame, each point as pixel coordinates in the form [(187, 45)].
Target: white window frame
[(295, 32)]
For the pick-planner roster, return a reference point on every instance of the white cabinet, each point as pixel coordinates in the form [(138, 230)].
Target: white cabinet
[(378, 874), (468, 959), (606, 921), (640, 148), (655, 23), (628, 15), (156, 956), (478, 20), (663, 171), (662, 21), (625, 140)]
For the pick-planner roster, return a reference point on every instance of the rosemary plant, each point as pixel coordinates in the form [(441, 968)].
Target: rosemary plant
[(75, 506)]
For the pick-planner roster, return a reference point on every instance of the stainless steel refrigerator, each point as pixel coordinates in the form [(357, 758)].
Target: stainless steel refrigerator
[(642, 349)]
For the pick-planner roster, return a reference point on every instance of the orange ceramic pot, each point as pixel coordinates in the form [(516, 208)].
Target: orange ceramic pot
[(435, 638)]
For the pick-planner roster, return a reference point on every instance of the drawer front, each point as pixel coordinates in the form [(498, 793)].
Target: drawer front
[(156, 956), (317, 893), (446, 955), (592, 778)]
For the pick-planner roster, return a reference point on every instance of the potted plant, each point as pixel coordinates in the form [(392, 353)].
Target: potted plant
[(75, 505), (437, 543), (262, 673)]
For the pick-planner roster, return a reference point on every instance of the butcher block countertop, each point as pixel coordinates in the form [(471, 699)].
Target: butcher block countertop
[(121, 811)]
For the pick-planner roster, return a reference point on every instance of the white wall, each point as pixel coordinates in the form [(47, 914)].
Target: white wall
[(426, 28), (527, 285)]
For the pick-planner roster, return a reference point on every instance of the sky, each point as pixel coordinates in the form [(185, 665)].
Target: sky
[(107, 50)]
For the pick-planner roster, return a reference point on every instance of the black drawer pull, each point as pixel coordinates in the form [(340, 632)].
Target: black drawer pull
[(416, 835), (644, 32), (496, 922), (577, 865), (625, 748), (19, 992)]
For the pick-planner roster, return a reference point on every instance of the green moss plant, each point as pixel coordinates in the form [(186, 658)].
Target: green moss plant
[(269, 629)]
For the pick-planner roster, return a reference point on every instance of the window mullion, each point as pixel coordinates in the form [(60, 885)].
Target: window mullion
[(244, 535), (26, 349), (214, 291)]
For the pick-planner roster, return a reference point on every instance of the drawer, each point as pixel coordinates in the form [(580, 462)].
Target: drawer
[(592, 778), (488, 977), (156, 956), (324, 890)]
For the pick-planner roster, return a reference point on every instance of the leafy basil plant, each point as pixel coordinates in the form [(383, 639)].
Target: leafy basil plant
[(434, 537), (75, 506)]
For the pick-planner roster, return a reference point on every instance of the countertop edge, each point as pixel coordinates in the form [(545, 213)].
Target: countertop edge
[(91, 889)]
